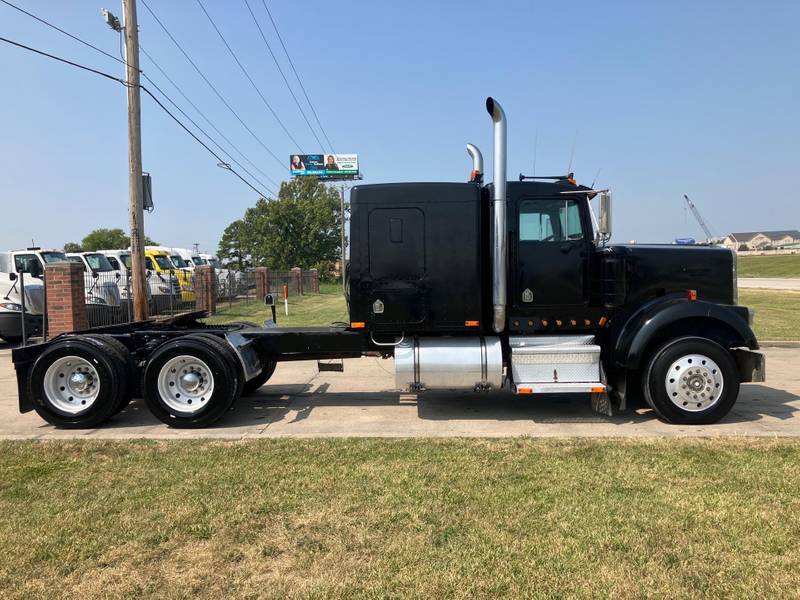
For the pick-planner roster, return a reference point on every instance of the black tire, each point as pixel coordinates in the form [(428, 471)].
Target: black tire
[(125, 364), (252, 386), (225, 382), (100, 409), (718, 386), (224, 348)]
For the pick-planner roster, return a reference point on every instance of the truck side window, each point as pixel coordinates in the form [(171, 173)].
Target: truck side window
[(148, 264), (549, 220), (21, 261)]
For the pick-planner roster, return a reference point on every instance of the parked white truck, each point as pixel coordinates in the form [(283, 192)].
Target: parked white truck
[(11, 307)]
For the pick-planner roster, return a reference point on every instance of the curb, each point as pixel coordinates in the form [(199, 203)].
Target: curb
[(780, 344)]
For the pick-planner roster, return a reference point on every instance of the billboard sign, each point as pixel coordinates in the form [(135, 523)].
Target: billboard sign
[(326, 166)]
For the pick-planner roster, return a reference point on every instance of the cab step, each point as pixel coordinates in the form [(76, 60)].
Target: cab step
[(335, 366)]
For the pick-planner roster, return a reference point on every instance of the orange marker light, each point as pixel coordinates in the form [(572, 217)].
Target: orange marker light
[(573, 322), (471, 323), (598, 390), (558, 323), (586, 322), (524, 390), (545, 323), (691, 295), (357, 325), (602, 322)]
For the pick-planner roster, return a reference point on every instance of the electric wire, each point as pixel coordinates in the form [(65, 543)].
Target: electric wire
[(283, 75), (247, 75), (211, 85), (296, 74), (221, 162), (122, 60), (207, 120)]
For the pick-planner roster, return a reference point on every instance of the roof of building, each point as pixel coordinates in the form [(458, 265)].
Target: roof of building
[(773, 235)]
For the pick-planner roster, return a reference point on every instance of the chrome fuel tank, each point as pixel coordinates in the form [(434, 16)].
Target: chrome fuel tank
[(474, 363)]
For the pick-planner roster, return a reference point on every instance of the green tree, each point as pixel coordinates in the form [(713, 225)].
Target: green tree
[(109, 239), (72, 247), (231, 249), (301, 228)]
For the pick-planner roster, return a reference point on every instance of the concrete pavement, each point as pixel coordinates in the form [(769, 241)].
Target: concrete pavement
[(770, 283), (300, 402)]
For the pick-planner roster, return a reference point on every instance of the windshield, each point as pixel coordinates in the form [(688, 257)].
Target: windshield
[(50, 257), (163, 262), (98, 262), (177, 261), (114, 263), (198, 261), (214, 262), (126, 260)]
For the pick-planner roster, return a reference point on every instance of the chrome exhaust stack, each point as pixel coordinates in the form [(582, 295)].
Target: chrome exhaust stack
[(477, 163), (499, 238)]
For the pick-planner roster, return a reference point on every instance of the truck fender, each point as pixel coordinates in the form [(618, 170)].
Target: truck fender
[(670, 317)]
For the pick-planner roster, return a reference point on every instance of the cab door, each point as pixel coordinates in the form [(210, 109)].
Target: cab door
[(551, 254)]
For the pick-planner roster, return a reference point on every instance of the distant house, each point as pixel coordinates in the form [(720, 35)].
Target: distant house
[(758, 240)]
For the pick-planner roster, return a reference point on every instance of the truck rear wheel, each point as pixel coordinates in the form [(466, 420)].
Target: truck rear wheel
[(691, 381), (124, 364), (252, 386), (189, 383), (74, 384)]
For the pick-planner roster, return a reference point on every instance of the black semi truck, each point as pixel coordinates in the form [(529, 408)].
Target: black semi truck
[(471, 287)]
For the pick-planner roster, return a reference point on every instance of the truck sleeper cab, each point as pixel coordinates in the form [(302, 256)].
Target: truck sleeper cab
[(503, 287)]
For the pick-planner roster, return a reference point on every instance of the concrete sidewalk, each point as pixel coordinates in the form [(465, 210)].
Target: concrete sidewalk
[(301, 402)]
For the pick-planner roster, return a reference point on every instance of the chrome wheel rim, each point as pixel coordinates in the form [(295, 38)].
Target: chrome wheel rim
[(71, 385), (694, 383), (185, 384)]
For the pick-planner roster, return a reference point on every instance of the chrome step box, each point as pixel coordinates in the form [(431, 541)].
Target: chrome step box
[(554, 359)]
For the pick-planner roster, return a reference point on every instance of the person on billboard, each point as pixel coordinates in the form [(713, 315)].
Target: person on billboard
[(297, 164), (330, 163)]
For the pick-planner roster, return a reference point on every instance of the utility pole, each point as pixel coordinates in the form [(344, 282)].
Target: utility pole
[(136, 213)]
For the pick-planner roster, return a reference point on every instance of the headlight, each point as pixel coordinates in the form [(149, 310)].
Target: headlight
[(12, 306), (164, 289)]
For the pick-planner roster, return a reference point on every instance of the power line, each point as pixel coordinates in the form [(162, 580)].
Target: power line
[(221, 162), (280, 70), (296, 74), (66, 33), (153, 83), (203, 115), (213, 88), (247, 75)]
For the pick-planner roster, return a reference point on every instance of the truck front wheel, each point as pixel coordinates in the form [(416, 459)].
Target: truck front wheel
[(691, 381)]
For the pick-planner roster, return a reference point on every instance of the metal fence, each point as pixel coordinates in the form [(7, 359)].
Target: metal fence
[(109, 295)]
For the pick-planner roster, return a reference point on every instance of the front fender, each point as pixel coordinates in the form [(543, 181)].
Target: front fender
[(680, 316)]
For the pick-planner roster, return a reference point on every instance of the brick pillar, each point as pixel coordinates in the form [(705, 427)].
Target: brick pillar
[(297, 275), (315, 281), (262, 283), (66, 298), (205, 288)]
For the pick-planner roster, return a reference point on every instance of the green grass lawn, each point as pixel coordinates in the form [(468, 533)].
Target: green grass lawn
[(776, 313), (423, 518), (312, 309), (781, 265)]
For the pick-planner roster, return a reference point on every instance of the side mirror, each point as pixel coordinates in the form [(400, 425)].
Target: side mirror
[(117, 276), (604, 224), (12, 276), (95, 274)]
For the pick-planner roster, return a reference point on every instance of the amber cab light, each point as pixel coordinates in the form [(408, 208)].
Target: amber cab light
[(357, 325), (691, 295)]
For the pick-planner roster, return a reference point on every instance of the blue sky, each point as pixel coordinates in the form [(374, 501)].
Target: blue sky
[(664, 98)]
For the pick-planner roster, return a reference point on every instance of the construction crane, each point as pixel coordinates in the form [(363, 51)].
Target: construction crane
[(696, 213)]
